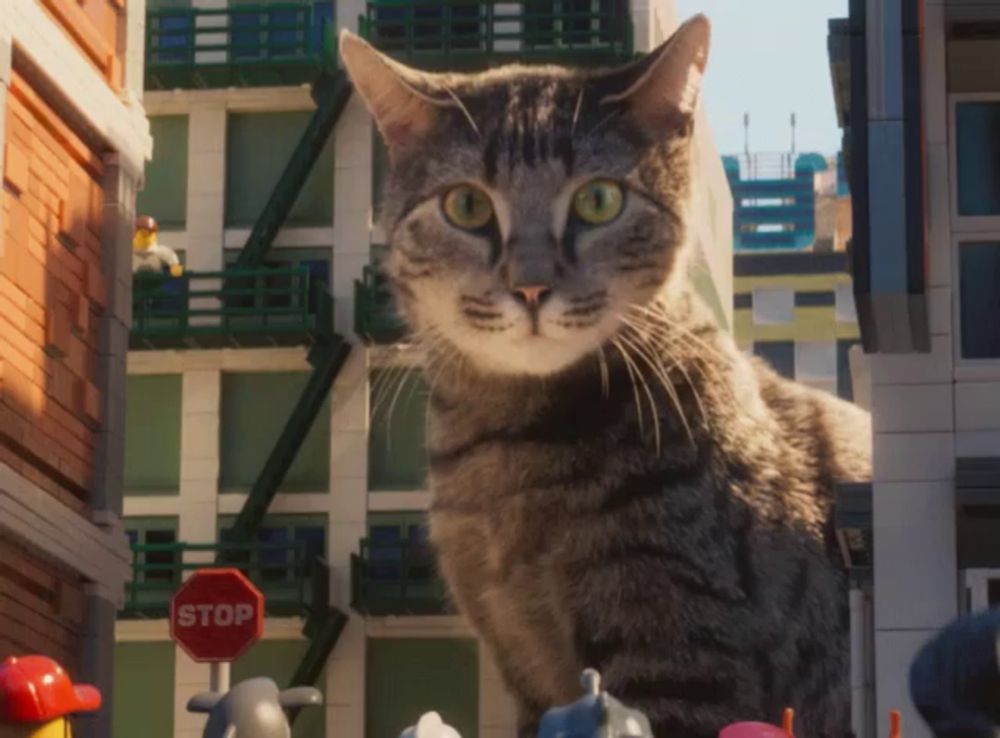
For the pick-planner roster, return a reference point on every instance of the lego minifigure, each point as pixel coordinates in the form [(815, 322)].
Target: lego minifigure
[(595, 715), (430, 725), (253, 708), (147, 254), (37, 696)]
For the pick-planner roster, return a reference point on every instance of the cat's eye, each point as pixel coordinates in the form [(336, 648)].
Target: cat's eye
[(468, 207), (599, 201)]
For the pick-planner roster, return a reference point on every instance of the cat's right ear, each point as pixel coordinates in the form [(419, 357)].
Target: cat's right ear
[(401, 100)]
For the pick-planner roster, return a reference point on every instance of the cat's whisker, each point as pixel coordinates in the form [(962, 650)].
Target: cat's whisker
[(661, 373), (634, 371), (602, 362)]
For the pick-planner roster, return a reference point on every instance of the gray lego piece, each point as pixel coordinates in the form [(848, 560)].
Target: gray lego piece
[(253, 708)]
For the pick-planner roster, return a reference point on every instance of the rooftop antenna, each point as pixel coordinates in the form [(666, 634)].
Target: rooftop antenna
[(746, 141)]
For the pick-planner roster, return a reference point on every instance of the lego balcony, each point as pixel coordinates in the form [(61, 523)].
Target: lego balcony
[(288, 579), (270, 43), (463, 35), (234, 308), (397, 579), (375, 317)]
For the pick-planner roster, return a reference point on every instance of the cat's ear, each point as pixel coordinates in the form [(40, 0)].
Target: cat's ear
[(664, 86), (399, 99)]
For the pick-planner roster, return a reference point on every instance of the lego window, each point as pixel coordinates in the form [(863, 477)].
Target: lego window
[(164, 194), (979, 299), (569, 23), (779, 354), (404, 675), (152, 434), (282, 557), (143, 701), (255, 409), (283, 289), (156, 565), (258, 148), (845, 382), (773, 305), (395, 539), (844, 303), (977, 162), (816, 364), (397, 457)]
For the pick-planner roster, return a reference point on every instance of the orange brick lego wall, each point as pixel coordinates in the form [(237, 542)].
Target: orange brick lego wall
[(52, 291), (42, 607), (93, 25)]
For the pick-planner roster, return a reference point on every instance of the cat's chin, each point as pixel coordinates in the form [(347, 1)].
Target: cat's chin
[(537, 356)]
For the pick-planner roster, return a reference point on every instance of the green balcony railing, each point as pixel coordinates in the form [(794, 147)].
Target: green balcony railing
[(459, 34), (375, 316), (236, 307), (281, 571), (397, 579), (277, 43)]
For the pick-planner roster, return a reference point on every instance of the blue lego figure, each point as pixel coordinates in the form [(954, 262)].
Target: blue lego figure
[(595, 715), (955, 678)]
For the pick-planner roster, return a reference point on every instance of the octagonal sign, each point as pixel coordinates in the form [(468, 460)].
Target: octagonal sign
[(216, 615)]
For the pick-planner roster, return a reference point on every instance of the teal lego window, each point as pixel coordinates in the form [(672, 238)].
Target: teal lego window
[(977, 146), (152, 434), (397, 455), (979, 289), (255, 408), (164, 194), (258, 147), (405, 675), (278, 659), (143, 697)]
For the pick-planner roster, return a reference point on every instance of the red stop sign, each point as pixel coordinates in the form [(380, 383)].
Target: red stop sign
[(216, 615)]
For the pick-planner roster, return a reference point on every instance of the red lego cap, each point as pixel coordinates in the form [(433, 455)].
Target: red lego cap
[(36, 689)]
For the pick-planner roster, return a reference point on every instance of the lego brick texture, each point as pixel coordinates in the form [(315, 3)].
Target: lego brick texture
[(52, 293), (42, 606)]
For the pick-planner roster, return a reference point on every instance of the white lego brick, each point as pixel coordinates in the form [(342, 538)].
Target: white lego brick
[(914, 552), (345, 679), (350, 407), (894, 652), (919, 407), (977, 406), (935, 92), (202, 391), (200, 470), (346, 721), (935, 367), (200, 436), (909, 457), (977, 443)]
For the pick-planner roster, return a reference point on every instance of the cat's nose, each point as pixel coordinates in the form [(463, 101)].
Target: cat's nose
[(532, 295)]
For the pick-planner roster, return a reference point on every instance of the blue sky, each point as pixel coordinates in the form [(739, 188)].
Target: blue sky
[(769, 59)]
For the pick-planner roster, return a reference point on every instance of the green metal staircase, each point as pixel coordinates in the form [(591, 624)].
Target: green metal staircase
[(324, 622), (330, 92)]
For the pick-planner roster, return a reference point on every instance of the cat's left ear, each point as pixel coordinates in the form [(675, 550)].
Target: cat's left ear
[(663, 87)]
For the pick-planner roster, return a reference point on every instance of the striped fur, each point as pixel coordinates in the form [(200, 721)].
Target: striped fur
[(615, 484)]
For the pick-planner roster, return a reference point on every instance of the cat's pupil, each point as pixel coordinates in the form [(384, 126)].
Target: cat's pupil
[(469, 204)]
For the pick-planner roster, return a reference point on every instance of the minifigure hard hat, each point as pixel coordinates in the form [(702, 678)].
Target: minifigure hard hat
[(37, 689), (146, 223)]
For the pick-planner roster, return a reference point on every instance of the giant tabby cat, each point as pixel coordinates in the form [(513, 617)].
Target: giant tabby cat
[(614, 484)]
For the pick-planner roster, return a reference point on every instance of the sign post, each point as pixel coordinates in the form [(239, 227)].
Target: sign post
[(215, 616)]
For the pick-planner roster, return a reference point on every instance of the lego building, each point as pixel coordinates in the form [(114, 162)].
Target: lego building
[(918, 97), (275, 409), (793, 300), (75, 139)]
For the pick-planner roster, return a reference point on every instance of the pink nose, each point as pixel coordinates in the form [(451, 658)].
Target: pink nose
[(532, 294)]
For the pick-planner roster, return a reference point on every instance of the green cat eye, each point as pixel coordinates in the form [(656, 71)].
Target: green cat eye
[(599, 201), (468, 207)]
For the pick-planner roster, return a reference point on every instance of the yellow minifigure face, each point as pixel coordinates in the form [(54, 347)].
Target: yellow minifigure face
[(143, 239), (58, 728)]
